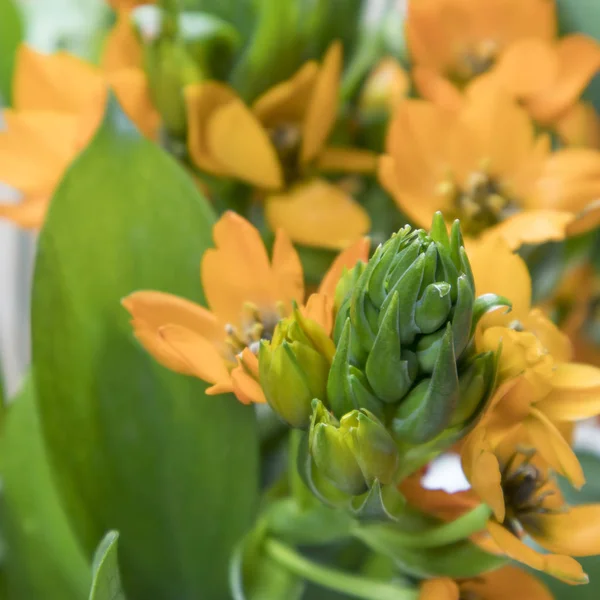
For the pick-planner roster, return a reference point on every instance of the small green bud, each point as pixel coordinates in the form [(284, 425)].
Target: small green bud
[(294, 367), (352, 453)]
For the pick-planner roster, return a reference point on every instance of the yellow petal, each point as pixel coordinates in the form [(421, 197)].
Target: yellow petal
[(345, 260), (237, 140), (348, 160), (527, 66), (553, 447), (237, 271), (286, 103), (386, 86), (29, 213), (442, 588), (245, 387), (199, 354), (287, 269), (507, 582), (319, 308), (575, 394), (533, 227), (131, 88), (509, 276), (579, 126), (578, 61), (585, 220), (318, 214), (485, 480), (437, 89), (122, 50), (323, 106)]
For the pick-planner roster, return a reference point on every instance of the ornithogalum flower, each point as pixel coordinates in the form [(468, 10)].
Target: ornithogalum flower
[(486, 166), (247, 295), (58, 103), (277, 145), (453, 42), (540, 387), (507, 582)]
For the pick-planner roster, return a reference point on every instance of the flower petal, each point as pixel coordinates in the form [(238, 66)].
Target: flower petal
[(507, 582), (29, 213), (321, 112), (575, 394), (287, 269), (442, 588), (553, 447), (319, 214), (122, 50), (237, 140), (344, 261), (533, 227), (319, 308), (579, 126), (578, 61), (437, 89), (287, 102), (237, 271), (575, 532), (245, 387), (201, 357), (349, 160)]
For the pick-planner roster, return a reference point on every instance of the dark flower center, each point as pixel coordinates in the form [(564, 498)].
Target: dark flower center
[(475, 60), (287, 138)]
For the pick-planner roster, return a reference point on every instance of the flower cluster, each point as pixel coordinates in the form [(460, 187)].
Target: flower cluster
[(403, 265)]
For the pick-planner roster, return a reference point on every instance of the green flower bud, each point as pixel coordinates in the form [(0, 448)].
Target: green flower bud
[(294, 367), (404, 331), (354, 452)]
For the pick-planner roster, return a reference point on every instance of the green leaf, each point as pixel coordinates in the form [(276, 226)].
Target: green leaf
[(106, 581), (136, 447), (582, 16), (43, 560), (11, 34)]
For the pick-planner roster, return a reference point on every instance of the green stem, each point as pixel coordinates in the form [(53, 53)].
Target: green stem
[(353, 585), (442, 535)]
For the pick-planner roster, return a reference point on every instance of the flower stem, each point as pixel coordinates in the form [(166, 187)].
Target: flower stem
[(353, 585)]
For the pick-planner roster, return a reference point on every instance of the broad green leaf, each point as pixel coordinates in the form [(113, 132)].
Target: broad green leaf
[(136, 448), (11, 34), (43, 560), (106, 580), (582, 16)]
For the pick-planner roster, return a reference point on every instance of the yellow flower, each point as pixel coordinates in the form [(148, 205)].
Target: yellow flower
[(515, 482), (247, 296), (385, 87), (486, 166), (501, 584), (59, 101), (276, 144), (453, 42), (541, 388), (579, 126)]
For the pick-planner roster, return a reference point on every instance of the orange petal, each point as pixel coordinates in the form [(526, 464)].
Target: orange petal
[(348, 160), (287, 102), (509, 276), (553, 447), (578, 61), (579, 126), (203, 360), (533, 227), (575, 394), (237, 140), (202, 100), (575, 532), (437, 89), (527, 66), (507, 582), (345, 260), (319, 214), (585, 220), (237, 271), (246, 388), (322, 110), (319, 308), (29, 213), (131, 88), (122, 50), (443, 588), (287, 269)]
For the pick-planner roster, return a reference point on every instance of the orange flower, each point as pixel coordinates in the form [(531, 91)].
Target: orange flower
[(247, 295), (515, 482), (486, 166), (59, 102), (275, 146), (453, 42), (543, 388), (579, 126), (507, 582)]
